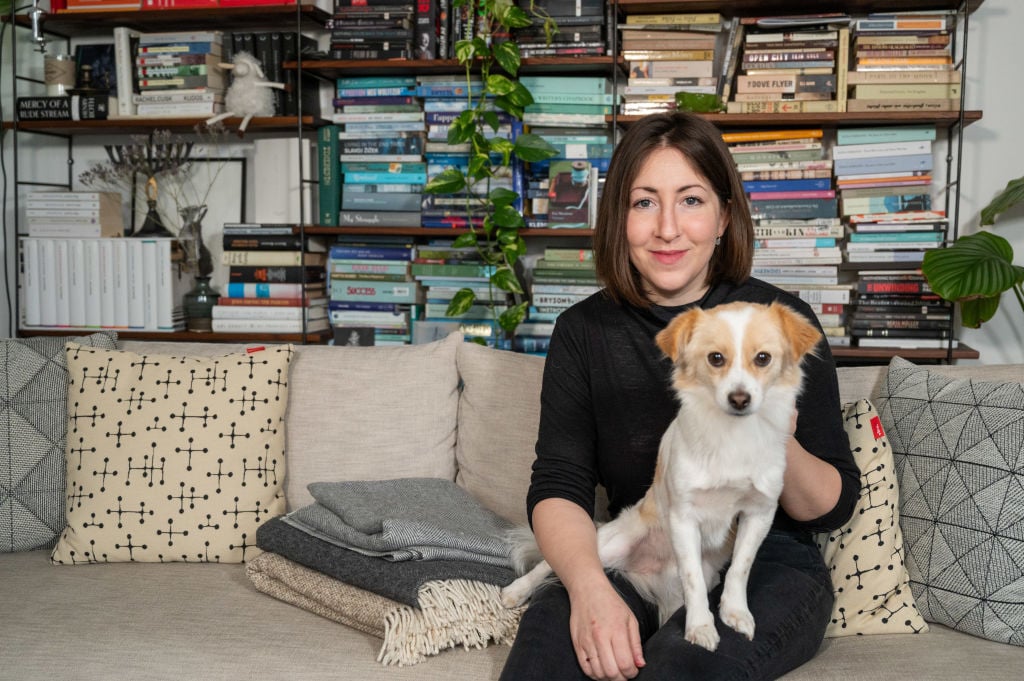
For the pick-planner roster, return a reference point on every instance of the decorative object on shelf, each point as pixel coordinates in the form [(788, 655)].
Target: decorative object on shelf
[(976, 269), (249, 94), (498, 241), (200, 300), (169, 166)]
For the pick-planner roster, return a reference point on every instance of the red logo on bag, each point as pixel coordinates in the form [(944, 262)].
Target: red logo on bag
[(257, 348), (876, 428)]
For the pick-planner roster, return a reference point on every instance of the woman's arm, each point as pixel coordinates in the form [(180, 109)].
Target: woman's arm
[(811, 486), (605, 633)]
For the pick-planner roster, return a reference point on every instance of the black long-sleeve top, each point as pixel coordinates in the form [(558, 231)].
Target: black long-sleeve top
[(607, 399)]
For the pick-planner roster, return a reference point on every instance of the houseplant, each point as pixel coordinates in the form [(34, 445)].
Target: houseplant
[(978, 268), (497, 62)]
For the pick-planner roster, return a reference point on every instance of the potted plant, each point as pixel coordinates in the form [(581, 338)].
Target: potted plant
[(977, 269), (497, 241)]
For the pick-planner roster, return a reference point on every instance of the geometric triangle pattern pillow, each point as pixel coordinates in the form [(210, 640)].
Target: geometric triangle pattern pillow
[(33, 422), (959, 451), (172, 458), (865, 556)]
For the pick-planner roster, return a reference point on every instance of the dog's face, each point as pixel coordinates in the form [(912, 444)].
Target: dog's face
[(738, 352)]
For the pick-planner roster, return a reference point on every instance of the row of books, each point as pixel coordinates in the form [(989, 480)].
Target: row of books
[(102, 283), (102, 5)]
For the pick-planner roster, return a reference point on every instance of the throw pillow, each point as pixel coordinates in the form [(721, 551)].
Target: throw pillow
[(959, 449), (33, 422), (865, 556), (172, 458)]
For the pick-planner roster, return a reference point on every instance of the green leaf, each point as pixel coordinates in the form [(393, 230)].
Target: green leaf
[(479, 166), (460, 302), (465, 51), (500, 85), (511, 107), (513, 249), (1006, 199), (507, 216), (519, 95), (531, 148), (503, 147), (512, 317), (480, 48), (505, 279), (466, 239), (507, 56), (448, 181), (491, 119), (976, 265), (974, 312), (502, 197)]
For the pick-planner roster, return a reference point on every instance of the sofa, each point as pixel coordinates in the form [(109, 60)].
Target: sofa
[(447, 409)]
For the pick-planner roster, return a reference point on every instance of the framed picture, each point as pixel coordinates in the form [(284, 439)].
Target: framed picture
[(100, 57)]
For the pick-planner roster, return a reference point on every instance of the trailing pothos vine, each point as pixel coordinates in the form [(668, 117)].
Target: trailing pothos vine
[(497, 62)]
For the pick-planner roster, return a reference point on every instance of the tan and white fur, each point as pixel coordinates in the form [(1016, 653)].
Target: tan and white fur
[(736, 372)]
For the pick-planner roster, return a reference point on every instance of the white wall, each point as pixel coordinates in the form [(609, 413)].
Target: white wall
[(993, 154)]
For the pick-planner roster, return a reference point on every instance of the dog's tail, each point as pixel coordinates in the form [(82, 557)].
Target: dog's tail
[(525, 552)]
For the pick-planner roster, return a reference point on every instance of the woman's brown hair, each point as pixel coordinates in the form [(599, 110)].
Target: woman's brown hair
[(701, 145)]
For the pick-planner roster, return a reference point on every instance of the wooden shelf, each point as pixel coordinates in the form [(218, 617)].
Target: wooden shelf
[(877, 355), (139, 125), (334, 68), (844, 119), (768, 7), (68, 23), (193, 336), (315, 230)]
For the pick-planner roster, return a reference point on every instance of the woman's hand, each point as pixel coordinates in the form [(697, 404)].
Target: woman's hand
[(605, 634)]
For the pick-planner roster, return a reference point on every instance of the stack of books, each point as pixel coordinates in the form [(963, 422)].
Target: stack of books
[(561, 277), (372, 30), (790, 64), (275, 284), (669, 53), (884, 176), (273, 49), (110, 283), (581, 30), (373, 296), (170, 65), (445, 98), (443, 270), (378, 145), (897, 308), (904, 62), (74, 214)]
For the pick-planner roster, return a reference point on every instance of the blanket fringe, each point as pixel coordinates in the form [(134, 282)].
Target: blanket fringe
[(452, 612)]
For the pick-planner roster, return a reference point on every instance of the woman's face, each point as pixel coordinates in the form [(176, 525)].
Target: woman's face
[(673, 220)]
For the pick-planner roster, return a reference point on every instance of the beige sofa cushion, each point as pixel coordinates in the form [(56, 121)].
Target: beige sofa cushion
[(364, 413), (498, 416)]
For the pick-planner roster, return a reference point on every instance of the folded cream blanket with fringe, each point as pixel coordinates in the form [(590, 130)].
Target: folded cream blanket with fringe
[(451, 612)]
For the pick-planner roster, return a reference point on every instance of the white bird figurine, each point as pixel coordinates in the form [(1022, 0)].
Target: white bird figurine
[(249, 94)]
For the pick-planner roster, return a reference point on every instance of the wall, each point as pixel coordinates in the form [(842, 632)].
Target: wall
[(993, 154)]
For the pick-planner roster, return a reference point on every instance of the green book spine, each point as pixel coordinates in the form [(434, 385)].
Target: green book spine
[(329, 155)]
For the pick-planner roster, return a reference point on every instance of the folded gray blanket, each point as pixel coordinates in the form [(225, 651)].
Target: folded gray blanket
[(399, 581), (405, 519)]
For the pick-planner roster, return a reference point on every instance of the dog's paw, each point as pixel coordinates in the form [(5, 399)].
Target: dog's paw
[(515, 594), (740, 620), (704, 635)]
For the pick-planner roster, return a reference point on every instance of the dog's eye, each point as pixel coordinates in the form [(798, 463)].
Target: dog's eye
[(762, 359), (716, 359)]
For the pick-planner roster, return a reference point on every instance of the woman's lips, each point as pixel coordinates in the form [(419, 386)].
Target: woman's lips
[(668, 257)]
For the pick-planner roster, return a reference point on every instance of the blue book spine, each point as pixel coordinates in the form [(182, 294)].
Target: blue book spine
[(364, 306), (375, 92), (374, 291), (573, 151), (540, 167), (794, 209), (787, 185), (376, 81), (180, 48), (386, 178), (379, 167), (882, 164), (808, 242), (566, 84), (912, 133), (338, 252), (909, 237)]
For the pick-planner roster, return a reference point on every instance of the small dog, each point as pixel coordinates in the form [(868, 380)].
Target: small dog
[(736, 371)]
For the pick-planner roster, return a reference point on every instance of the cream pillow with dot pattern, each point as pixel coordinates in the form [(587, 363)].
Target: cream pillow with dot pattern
[(172, 458)]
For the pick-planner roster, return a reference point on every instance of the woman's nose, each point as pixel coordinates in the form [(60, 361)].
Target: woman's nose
[(668, 229)]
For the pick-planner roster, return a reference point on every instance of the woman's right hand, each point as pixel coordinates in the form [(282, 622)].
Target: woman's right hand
[(605, 633)]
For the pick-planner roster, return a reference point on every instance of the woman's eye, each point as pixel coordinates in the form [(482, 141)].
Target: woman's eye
[(762, 359), (692, 201), (643, 203), (716, 359)]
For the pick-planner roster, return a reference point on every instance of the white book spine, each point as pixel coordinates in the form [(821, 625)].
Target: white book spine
[(93, 285), (123, 60), (76, 283), (61, 285), (47, 282), (135, 283), (845, 151), (30, 303), (106, 282), (150, 297), (120, 275), (266, 312)]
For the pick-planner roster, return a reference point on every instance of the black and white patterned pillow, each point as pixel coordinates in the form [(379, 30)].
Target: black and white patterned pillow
[(959, 452), (33, 422)]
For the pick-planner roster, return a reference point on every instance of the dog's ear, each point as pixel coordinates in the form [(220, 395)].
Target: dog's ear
[(673, 337), (800, 332)]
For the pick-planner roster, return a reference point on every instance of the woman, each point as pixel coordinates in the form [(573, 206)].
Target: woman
[(673, 231)]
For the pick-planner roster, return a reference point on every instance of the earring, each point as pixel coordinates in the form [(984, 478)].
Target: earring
[(718, 241)]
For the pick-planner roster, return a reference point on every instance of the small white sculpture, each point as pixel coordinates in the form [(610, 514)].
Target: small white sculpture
[(249, 94)]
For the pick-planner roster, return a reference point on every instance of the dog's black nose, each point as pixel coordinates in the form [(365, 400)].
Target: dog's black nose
[(739, 399)]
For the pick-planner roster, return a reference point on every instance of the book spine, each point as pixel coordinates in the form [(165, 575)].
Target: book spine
[(124, 59), (329, 190), (233, 242), (288, 274), (256, 290), (267, 258), (384, 292)]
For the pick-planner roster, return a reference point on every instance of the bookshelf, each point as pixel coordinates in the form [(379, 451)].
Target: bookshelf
[(309, 18), (63, 26)]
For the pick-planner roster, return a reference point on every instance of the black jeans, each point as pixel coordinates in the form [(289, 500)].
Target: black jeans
[(789, 594)]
